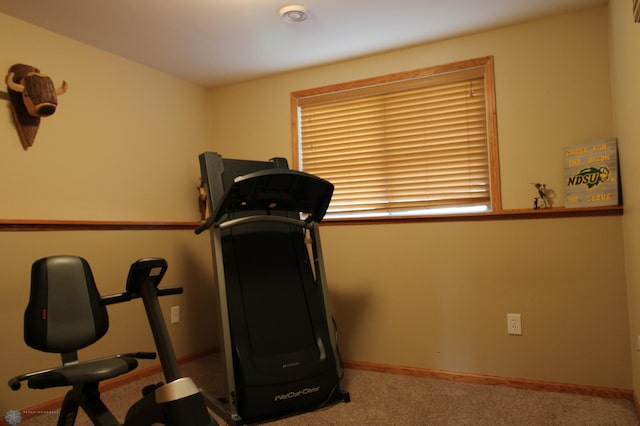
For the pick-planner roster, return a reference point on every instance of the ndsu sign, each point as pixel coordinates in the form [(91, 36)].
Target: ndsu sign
[(591, 174)]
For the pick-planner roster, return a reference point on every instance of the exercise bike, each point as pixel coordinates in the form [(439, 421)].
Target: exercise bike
[(66, 313)]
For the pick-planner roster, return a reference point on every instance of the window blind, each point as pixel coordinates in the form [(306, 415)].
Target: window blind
[(404, 147)]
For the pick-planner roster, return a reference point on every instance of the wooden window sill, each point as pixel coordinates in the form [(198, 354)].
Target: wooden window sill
[(96, 225), (515, 214)]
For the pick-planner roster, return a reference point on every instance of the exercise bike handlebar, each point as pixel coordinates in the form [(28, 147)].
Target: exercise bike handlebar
[(167, 291), (149, 270), (14, 383), (127, 296), (140, 355)]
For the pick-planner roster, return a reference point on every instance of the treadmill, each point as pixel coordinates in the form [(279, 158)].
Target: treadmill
[(279, 344)]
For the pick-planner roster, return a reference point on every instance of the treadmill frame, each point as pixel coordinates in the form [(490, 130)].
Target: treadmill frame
[(227, 405)]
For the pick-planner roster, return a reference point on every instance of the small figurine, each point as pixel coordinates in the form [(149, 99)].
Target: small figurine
[(202, 200), (543, 201)]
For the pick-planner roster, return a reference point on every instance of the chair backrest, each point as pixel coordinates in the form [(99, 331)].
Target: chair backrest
[(64, 313)]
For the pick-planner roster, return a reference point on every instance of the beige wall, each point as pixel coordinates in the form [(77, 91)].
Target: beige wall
[(123, 145), (625, 66), (436, 295)]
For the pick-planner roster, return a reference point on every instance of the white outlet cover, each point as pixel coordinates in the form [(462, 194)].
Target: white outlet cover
[(514, 324), (175, 314)]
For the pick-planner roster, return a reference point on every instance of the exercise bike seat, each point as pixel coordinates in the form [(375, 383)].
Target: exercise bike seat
[(84, 372), (66, 313)]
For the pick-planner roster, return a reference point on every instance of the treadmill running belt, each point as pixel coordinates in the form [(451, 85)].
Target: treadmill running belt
[(272, 288)]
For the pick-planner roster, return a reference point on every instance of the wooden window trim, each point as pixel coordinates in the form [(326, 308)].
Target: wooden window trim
[(408, 78)]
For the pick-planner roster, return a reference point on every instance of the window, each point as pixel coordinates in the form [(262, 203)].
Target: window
[(408, 144)]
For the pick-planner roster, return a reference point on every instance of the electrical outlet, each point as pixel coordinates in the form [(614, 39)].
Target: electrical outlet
[(514, 324), (175, 314)]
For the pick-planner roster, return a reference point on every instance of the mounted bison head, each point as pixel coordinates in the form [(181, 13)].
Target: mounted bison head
[(32, 95), (38, 93)]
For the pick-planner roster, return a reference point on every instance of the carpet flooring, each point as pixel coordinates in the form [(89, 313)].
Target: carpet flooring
[(390, 399)]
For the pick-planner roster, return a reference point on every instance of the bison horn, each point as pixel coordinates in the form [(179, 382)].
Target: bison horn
[(62, 89), (12, 84)]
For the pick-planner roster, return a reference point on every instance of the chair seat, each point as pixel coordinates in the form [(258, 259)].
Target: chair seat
[(83, 372)]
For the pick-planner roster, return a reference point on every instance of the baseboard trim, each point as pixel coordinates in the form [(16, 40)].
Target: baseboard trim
[(528, 384), (56, 403)]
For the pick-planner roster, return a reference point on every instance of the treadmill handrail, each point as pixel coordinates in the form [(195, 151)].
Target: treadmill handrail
[(206, 225), (252, 219), (243, 193), (262, 218)]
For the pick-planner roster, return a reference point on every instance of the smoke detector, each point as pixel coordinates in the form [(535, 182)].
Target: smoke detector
[(293, 13)]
